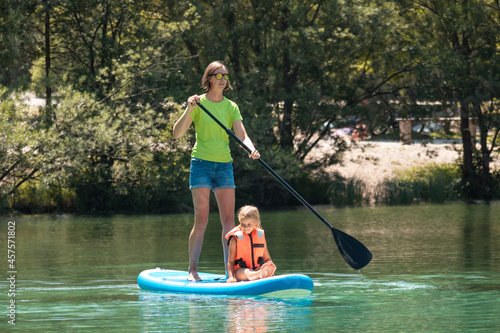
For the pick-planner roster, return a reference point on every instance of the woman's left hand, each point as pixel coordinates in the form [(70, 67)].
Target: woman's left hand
[(255, 154)]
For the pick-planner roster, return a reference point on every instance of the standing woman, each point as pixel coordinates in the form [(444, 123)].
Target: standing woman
[(211, 161)]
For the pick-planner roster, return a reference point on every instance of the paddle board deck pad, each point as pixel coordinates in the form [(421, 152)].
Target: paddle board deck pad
[(289, 285)]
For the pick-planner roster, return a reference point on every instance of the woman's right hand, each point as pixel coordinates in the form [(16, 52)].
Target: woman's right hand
[(231, 280), (182, 124), (191, 102)]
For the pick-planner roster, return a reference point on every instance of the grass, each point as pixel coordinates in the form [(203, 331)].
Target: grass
[(431, 183)]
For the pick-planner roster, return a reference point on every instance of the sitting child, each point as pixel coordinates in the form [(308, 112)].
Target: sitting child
[(249, 258)]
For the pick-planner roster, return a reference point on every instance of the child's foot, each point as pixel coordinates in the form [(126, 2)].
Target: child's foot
[(271, 268), (267, 270)]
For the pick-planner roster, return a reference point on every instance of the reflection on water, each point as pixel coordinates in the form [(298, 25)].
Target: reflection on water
[(215, 313), (479, 236), (435, 268)]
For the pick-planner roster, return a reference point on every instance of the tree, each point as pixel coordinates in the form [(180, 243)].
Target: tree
[(21, 146), (109, 64), (459, 49), (302, 64), (15, 45), (106, 152)]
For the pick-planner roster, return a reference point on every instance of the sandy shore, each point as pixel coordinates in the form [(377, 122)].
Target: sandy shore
[(374, 161)]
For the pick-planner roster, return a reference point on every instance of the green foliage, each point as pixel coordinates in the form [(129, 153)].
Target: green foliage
[(115, 158), (432, 183), (97, 159), (459, 65), (255, 184), (21, 145), (39, 197), (348, 192), (14, 67)]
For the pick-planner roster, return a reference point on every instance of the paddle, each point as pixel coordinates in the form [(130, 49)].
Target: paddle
[(352, 250)]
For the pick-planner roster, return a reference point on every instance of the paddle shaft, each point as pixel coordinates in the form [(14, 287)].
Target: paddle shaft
[(268, 168), (352, 250)]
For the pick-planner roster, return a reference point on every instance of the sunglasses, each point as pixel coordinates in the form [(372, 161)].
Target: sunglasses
[(219, 76)]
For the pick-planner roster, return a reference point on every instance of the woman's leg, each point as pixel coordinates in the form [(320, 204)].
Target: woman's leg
[(201, 200), (225, 202)]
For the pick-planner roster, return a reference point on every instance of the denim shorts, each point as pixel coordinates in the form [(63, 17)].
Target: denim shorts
[(214, 175)]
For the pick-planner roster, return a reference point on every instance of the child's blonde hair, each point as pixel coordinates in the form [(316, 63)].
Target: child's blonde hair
[(249, 212)]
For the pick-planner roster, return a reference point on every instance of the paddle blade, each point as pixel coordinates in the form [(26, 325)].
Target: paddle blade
[(352, 250)]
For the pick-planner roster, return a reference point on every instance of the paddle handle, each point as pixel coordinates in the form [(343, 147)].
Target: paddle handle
[(264, 164)]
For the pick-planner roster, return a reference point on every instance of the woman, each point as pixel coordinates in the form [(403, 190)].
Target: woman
[(211, 162)]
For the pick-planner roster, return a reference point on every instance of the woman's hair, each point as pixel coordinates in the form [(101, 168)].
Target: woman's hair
[(249, 212), (205, 80)]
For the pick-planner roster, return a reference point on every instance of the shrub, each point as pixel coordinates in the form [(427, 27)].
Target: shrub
[(431, 183)]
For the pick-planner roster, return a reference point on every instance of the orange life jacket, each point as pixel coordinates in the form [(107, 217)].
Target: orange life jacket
[(249, 248)]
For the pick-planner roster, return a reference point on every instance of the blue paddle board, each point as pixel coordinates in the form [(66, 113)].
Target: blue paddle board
[(289, 285)]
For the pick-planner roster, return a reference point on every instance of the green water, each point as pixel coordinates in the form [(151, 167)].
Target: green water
[(435, 269)]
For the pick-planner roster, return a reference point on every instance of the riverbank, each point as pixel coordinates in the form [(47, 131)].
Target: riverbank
[(373, 161)]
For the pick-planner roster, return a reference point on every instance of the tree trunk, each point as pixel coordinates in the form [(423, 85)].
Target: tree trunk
[(48, 87), (289, 79), (469, 177), (486, 180), (285, 128)]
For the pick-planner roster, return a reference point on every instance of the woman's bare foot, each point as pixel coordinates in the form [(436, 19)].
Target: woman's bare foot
[(193, 276)]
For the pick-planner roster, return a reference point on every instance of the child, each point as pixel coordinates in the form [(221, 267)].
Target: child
[(249, 258)]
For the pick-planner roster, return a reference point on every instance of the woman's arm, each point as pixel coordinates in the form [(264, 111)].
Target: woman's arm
[(241, 133), (185, 120)]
